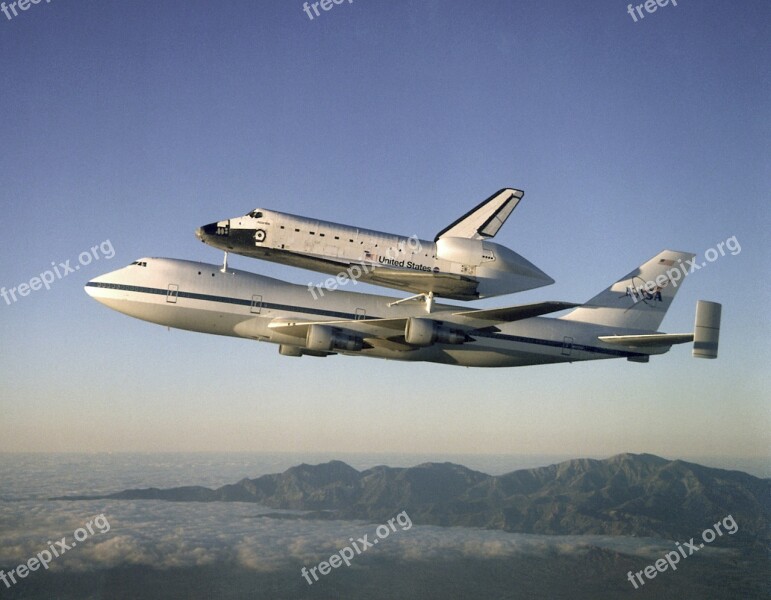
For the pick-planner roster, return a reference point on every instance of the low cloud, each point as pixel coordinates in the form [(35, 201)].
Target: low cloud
[(166, 535)]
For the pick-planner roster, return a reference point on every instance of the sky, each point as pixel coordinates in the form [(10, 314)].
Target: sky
[(125, 126)]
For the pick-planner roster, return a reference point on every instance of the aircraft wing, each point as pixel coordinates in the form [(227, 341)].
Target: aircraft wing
[(389, 333), (487, 317), (485, 220)]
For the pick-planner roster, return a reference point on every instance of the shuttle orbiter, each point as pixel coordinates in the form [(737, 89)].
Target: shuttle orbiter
[(461, 263)]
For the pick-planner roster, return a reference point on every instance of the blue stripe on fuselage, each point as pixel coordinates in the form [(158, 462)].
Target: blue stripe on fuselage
[(350, 316)]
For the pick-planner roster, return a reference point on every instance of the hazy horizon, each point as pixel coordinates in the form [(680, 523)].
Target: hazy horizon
[(491, 464)]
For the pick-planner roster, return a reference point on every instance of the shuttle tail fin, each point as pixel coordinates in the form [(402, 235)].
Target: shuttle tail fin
[(484, 221), (640, 299)]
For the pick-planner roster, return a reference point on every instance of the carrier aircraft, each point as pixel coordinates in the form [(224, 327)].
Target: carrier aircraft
[(622, 321), (461, 263)]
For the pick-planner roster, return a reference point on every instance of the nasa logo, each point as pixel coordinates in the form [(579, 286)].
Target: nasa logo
[(645, 292)]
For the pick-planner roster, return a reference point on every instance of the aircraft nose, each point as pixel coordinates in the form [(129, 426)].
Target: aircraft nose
[(207, 231), (98, 287)]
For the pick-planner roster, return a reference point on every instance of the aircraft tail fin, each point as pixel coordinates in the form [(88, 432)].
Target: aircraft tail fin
[(484, 221), (640, 299)]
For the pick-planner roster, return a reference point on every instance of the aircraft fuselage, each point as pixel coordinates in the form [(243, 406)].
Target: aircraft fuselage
[(201, 297)]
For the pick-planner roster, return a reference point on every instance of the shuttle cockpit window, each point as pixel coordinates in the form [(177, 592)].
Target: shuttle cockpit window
[(140, 263), (255, 214)]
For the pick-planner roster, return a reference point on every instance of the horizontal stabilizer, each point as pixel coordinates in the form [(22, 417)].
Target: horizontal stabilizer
[(484, 221), (704, 337), (649, 339)]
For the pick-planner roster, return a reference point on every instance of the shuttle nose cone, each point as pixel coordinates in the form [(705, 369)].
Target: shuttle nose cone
[(202, 233)]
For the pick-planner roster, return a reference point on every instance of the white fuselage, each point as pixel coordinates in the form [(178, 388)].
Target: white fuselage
[(457, 268), (200, 297)]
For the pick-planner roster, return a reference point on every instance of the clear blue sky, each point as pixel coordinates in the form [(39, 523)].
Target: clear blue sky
[(136, 122)]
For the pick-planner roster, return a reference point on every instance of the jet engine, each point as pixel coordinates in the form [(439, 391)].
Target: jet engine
[(290, 350), (287, 350), (424, 332), (323, 338)]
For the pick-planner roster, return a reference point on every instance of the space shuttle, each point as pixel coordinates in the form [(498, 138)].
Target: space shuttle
[(461, 262)]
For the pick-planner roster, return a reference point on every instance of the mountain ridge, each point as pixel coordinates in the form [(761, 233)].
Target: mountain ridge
[(626, 494)]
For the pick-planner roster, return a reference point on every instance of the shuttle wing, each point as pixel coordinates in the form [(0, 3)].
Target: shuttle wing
[(447, 285), (485, 220)]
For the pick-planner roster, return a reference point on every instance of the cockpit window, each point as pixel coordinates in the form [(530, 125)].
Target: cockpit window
[(255, 214), (140, 263)]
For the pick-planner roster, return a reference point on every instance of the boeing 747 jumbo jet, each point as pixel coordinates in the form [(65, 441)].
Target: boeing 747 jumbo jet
[(461, 263), (620, 322)]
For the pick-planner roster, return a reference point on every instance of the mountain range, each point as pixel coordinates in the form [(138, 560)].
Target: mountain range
[(627, 494)]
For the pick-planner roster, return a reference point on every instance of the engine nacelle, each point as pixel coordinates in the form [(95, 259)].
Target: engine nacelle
[(463, 251), (287, 350), (424, 332), (291, 350), (323, 338)]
